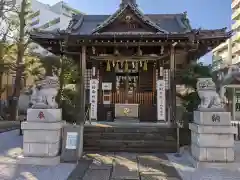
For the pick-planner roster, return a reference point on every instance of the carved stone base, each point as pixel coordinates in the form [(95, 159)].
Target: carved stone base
[(44, 115), (212, 139)]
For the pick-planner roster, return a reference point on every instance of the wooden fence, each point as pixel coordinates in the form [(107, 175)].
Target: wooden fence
[(134, 98), (236, 124)]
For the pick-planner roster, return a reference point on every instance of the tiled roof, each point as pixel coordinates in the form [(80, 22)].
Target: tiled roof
[(85, 24), (163, 23)]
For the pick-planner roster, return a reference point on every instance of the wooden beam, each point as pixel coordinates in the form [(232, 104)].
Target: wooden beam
[(82, 85), (130, 58)]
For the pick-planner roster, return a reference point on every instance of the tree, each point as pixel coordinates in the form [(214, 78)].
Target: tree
[(6, 46), (22, 43), (189, 77)]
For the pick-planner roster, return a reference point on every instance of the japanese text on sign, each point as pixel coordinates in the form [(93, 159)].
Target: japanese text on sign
[(161, 100), (71, 141), (93, 98)]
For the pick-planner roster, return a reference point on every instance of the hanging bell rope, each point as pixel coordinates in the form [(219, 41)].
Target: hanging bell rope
[(145, 66), (126, 66), (108, 66)]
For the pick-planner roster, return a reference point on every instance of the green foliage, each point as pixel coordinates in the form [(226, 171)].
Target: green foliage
[(189, 77), (69, 104)]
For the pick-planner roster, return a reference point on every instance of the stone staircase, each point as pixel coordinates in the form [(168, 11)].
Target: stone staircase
[(129, 138)]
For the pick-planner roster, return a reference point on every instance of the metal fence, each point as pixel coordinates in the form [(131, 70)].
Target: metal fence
[(236, 124)]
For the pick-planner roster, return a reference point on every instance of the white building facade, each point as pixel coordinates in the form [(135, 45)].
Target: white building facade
[(46, 17), (229, 52)]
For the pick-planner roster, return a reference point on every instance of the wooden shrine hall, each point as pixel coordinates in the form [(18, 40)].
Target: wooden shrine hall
[(130, 60)]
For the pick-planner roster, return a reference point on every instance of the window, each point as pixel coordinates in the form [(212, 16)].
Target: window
[(34, 23), (35, 14)]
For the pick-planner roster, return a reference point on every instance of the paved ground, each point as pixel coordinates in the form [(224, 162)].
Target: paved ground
[(11, 148), (9, 125), (110, 166), (128, 166)]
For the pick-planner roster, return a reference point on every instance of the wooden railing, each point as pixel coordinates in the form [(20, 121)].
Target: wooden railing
[(133, 98)]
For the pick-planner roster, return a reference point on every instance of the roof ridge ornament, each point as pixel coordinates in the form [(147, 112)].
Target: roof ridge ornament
[(126, 2), (137, 12)]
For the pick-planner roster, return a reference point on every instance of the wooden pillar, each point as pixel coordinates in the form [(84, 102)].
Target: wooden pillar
[(172, 93), (82, 85)]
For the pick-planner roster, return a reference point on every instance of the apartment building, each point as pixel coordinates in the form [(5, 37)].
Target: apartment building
[(229, 52)]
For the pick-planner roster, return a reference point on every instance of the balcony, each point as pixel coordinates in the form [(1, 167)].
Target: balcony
[(236, 25), (235, 4), (236, 14), (236, 37)]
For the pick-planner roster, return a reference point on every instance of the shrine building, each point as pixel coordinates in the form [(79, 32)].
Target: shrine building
[(131, 60)]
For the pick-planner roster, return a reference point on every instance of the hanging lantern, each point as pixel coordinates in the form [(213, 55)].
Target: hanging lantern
[(140, 63), (108, 66), (126, 66), (145, 66), (113, 63)]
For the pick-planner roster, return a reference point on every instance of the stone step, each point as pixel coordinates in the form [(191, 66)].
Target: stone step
[(130, 139)]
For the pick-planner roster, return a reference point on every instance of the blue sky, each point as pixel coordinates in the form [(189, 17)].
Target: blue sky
[(207, 14)]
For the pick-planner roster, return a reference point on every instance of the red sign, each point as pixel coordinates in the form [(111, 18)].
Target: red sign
[(41, 115)]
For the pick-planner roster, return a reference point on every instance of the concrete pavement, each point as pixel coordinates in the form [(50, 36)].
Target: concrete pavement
[(106, 166)]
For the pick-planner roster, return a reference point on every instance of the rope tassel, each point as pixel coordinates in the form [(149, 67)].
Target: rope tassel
[(145, 66), (108, 66)]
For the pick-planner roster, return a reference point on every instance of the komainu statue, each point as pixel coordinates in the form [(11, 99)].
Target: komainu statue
[(207, 93), (44, 93)]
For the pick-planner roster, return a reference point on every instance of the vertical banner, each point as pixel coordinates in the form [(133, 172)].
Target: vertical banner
[(161, 100), (93, 98)]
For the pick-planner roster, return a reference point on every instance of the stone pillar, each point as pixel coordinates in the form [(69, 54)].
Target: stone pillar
[(212, 140), (42, 137)]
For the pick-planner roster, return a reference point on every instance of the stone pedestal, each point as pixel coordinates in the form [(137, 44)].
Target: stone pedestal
[(42, 137), (212, 140)]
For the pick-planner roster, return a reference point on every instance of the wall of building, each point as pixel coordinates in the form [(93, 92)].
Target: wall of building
[(223, 51)]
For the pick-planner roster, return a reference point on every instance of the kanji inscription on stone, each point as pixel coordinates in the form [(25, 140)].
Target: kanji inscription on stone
[(41, 115)]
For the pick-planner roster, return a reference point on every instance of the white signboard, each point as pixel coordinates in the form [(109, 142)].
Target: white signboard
[(71, 141), (107, 86), (93, 98), (161, 100)]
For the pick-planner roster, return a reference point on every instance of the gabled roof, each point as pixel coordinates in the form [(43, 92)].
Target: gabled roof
[(172, 23), (136, 12)]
